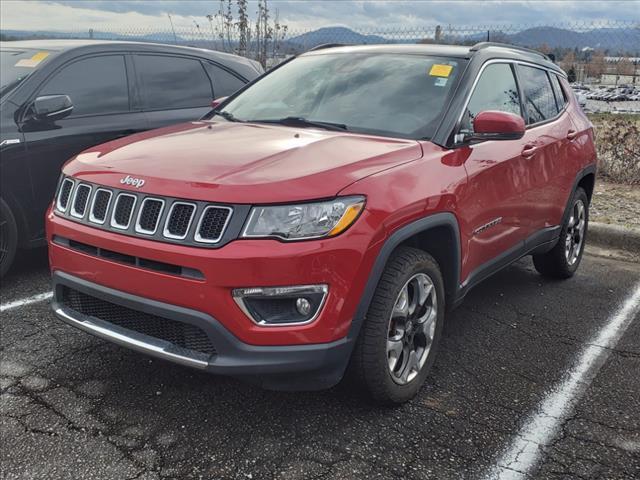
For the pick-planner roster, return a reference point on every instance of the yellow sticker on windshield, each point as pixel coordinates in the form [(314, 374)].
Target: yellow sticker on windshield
[(33, 61), (438, 70)]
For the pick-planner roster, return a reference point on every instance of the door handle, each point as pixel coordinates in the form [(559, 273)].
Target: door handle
[(529, 151), (571, 134)]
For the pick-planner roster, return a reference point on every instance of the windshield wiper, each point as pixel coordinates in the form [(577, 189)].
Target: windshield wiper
[(303, 122), (226, 115)]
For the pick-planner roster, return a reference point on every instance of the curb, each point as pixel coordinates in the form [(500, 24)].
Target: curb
[(614, 236)]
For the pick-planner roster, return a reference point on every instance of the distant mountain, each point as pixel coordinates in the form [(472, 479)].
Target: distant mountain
[(612, 39), (163, 36), (333, 35), (616, 39)]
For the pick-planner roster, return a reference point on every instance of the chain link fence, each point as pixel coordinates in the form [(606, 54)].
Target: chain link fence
[(604, 53)]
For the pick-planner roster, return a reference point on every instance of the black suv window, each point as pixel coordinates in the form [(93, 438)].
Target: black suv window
[(557, 89), (96, 85), (173, 82), (540, 102), (224, 82), (496, 90)]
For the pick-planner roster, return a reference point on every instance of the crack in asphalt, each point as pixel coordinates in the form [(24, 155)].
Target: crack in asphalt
[(156, 420)]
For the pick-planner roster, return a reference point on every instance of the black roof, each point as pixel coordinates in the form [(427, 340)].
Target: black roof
[(90, 46), (485, 50)]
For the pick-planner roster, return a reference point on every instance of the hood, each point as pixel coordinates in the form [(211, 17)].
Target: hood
[(241, 162)]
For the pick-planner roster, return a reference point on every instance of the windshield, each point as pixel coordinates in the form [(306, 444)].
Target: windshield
[(397, 95), (16, 65)]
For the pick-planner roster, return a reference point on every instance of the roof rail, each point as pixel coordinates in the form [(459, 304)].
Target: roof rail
[(482, 45), (326, 45)]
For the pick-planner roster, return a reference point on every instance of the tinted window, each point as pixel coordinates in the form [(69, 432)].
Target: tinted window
[(387, 94), (557, 89), (540, 102), (224, 83), (173, 82), (496, 90), (95, 85)]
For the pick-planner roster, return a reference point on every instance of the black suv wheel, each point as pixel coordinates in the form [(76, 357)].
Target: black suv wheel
[(8, 238)]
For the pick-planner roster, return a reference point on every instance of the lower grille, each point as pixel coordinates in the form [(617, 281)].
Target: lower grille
[(183, 335)]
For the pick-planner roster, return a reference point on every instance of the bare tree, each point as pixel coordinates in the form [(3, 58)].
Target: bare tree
[(597, 66), (624, 67), (262, 41), (244, 28)]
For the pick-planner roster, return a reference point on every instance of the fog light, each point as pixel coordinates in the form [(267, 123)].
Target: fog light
[(303, 306), (281, 306)]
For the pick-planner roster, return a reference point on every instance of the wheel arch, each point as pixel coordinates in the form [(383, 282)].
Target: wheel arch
[(586, 179), (437, 234), (587, 183)]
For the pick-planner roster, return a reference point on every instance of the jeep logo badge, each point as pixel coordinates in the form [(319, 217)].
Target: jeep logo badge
[(136, 182)]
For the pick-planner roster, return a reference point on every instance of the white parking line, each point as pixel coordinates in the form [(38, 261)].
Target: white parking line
[(26, 301), (524, 453)]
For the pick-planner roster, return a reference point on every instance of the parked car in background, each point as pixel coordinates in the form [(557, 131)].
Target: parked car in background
[(582, 98), (59, 97), (323, 219)]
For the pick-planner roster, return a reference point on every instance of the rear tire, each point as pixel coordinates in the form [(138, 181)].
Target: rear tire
[(398, 340), (563, 260), (8, 238)]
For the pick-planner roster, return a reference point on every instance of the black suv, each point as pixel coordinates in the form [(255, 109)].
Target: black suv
[(59, 97)]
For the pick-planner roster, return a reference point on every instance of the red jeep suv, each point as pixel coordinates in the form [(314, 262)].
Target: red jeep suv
[(322, 219)]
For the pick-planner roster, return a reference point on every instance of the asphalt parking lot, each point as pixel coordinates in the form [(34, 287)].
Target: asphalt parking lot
[(74, 406)]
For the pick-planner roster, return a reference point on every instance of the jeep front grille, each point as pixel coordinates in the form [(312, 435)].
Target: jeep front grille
[(179, 220), (100, 205), (123, 211), (212, 224), (152, 217), (80, 200), (64, 195), (149, 215)]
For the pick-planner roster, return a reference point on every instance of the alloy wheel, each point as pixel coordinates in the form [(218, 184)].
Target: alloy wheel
[(411, 328), (575, 232)]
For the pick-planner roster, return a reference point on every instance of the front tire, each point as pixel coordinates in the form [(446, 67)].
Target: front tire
[(397, 344), (563, 260), (8, 238)]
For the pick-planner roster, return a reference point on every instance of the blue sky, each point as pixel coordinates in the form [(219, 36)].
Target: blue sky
[(309, 14)]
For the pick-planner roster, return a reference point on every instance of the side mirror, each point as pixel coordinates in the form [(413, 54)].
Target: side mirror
[(217, 101), (50, 108), (496, 125)]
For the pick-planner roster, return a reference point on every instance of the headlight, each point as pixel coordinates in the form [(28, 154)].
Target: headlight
[(305, 220)]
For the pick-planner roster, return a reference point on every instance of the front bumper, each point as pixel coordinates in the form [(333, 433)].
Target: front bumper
[(343, 263), (311, 367)]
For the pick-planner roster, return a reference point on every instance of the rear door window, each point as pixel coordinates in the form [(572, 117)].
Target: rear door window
[(224, 83), (173, 82), (496, 89), (540, 102), (96, 85), (561, 100)]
